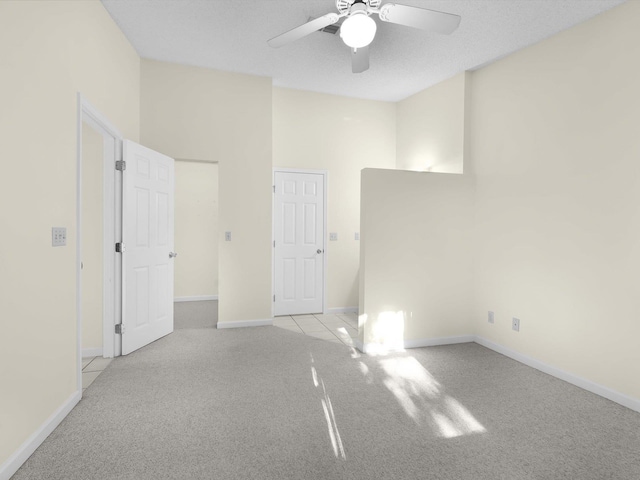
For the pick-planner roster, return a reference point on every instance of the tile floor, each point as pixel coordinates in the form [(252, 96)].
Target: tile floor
[(339, 328), (91, 368)]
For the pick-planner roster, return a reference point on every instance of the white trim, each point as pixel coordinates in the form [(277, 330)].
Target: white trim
[(196, 298), (78, 246), (614, 396), (418, 343), (335, 311), (325, 182), (112, 150), (15, 461), (593, 387), (246, 323), (434, 342), (91, 352)]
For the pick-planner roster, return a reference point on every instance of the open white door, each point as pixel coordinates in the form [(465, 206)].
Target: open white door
[(147, 234), (299, 243)]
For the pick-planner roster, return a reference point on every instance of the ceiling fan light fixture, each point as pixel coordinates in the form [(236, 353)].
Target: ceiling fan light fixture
[(358, 30)]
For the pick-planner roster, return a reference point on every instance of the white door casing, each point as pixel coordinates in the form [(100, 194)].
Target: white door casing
[(299, 243), (148, 236)]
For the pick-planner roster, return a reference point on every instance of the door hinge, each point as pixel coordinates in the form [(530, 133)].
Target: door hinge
[(274, 244), (121, 165), (120, 247), (274, 189), (119, 329), (274, 298)]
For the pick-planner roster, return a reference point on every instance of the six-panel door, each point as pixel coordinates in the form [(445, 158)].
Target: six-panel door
[(148, 232), (299, 243)]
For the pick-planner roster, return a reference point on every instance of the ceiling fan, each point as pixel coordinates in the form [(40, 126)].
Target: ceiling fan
[(358, 29)]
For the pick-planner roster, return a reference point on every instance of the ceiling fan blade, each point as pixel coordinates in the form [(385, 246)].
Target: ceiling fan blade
[(304, 30), (421, 18), (360, 59)]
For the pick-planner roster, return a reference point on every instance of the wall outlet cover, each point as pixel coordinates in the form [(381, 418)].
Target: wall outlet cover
[(491, 317), (333, 236), (357, 236), (227, 236), (515, 324)]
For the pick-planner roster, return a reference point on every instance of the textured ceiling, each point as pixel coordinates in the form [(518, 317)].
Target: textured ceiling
[(232, 35)]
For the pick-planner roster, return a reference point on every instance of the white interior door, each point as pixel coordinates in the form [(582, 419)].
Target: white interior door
[(147, 233), (299, 243)]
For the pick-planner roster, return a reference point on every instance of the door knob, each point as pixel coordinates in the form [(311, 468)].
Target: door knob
[(318, 251), (172, 254)]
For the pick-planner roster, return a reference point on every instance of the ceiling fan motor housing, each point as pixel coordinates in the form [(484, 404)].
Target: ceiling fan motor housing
[(344, 5)]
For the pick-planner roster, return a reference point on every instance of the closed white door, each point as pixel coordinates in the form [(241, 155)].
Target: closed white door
[(147, 233), (299, 243)]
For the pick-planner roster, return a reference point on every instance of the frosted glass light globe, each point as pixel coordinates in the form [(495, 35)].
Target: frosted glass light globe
[(358, 30)]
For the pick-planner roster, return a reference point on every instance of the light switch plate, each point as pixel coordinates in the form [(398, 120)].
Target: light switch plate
[(227, 236), (333, 236), (58, 236), (491, 317), (357, 236)]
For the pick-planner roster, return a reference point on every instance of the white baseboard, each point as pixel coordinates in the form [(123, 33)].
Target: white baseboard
[(434, 342), (196, 298), (91, 352), (421, 342), (617, 397), (246, 323), (622, 399), (342, 310), (15, 461)]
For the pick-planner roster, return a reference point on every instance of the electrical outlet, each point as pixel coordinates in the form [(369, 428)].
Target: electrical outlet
[(58, 236), (515, 324), (333, 236), (357, 236), (227, 236), (491, 318)]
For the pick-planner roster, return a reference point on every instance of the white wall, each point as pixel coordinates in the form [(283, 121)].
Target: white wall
[(48, 52), (92, 237), (431, 128), (202, 114), (196, 229), (343, 136), (555, 149), (417, 257)]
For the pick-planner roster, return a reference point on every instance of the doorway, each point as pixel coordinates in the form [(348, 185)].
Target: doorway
[(134, 209), (92, 262), (98, 219), (299, 225)]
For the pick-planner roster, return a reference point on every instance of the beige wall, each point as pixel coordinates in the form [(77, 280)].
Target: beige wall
[(417, 256), (196, 229), (555, 149), (48, 52), (343, 136), (202, 114), (431, 128), (92, 237), (550, 134)]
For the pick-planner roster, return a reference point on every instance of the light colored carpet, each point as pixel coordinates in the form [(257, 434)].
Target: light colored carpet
[(195, 314), (265, 403)]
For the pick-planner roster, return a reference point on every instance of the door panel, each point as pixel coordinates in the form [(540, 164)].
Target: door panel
[(148, 232), (299, 235)]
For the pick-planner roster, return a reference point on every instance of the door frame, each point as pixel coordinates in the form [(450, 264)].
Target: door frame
[(112, 222), (325, 175)]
